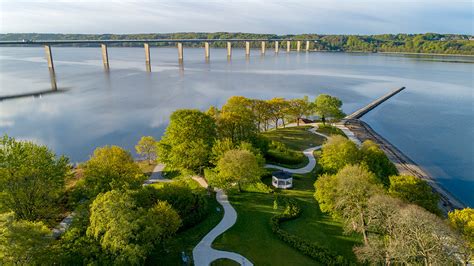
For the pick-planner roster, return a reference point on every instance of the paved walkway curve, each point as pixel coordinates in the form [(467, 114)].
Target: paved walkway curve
[(203, 253), (308, 153)]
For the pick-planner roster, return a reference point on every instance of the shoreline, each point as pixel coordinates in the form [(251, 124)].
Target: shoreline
[(362, 131)]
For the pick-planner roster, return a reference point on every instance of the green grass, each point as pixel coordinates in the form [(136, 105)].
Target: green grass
[(296, 138), (329, 130), (252, 237), (188, 239)]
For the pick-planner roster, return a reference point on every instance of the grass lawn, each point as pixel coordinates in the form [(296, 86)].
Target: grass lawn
[(329, 130), (296, 138), (252, 237)]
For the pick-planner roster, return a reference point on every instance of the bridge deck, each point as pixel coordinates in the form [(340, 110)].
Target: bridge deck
[(42, 42)]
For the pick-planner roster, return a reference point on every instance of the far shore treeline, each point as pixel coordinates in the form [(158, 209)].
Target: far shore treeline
[(433, 43)]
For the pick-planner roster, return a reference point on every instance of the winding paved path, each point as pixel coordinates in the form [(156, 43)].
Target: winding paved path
[(203, 253)]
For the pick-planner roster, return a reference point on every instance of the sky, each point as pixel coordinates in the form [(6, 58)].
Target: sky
[(255, 16)]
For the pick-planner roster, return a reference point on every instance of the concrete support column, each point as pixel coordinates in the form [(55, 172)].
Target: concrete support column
[(207, 51), (180, 52), (147, 57), (49, 57), (288, 46), (263, 47), (298, 46), (247, 48), (277, 47), (307, 46), (105, 56), (229, 49)]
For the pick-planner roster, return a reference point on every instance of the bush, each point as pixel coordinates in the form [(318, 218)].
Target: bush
[(192, 207), (279, 153), (313, 250)]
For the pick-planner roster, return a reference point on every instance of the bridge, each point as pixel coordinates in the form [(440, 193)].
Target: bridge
[(178, 42)]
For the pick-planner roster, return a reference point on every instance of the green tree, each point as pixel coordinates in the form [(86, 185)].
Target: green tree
[(299, 108), (338, 152), (237, 166), (23, 242), (414, 190), (220, 147), (31, 179), (110, 167), (188, 140), (237, 121), (278, 110), (328, 106), (147, 148), (377, 162), (127, 231)]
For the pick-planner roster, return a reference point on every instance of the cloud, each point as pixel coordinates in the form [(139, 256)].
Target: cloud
[(280, 17)]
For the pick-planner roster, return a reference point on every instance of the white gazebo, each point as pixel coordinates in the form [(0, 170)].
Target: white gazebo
[(282, 179)]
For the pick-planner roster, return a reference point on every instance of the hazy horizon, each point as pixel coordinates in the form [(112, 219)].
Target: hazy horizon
[(275, 17)]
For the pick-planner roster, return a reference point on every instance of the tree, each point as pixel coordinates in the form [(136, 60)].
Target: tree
[(326, 192), (338, 152), (298, 108), (278, 109), (188, 140), (414, 190), (22, 242), (127, 231), (261, 110), (463, 222), (377, 162), (237, 166), (31, 179), (406, 234), (236, 120), (220, 147), (147, 147), (328, 106), (110, 167), (422, 237), (355, 185)]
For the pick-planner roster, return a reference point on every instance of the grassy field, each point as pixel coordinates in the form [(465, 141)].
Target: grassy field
[(146, 167), (329, 130), (296, 138), (252, 237)]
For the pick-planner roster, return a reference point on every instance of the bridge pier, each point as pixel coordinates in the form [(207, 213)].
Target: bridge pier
[(307, 46), (288, 46), (49, 57), (207, 51), (247, 48), (229, 49), (147, 57), (298, 46), (263, 47), (105, 56), (180, 52), (277, 47)]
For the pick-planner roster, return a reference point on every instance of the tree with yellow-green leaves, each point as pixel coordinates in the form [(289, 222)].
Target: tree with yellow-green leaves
[(146, 147)]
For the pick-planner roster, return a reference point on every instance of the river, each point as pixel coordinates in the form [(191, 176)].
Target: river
[(432, 121)]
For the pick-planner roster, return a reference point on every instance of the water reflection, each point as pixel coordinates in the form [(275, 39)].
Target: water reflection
[(121, 105)]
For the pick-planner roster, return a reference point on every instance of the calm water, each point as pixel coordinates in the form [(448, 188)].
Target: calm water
[(432, 121)]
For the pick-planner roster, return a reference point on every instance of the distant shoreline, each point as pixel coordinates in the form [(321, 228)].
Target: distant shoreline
[(404, 164)]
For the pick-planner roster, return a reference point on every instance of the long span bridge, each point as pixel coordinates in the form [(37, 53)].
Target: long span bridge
[(286, 43)]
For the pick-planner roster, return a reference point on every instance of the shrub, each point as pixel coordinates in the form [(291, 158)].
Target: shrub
[(313, 250), (279, 153)]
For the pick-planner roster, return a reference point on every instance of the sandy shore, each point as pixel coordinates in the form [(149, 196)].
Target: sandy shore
[(362, 131)]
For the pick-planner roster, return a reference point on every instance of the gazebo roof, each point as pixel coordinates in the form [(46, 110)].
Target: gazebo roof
[(282, 175)]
